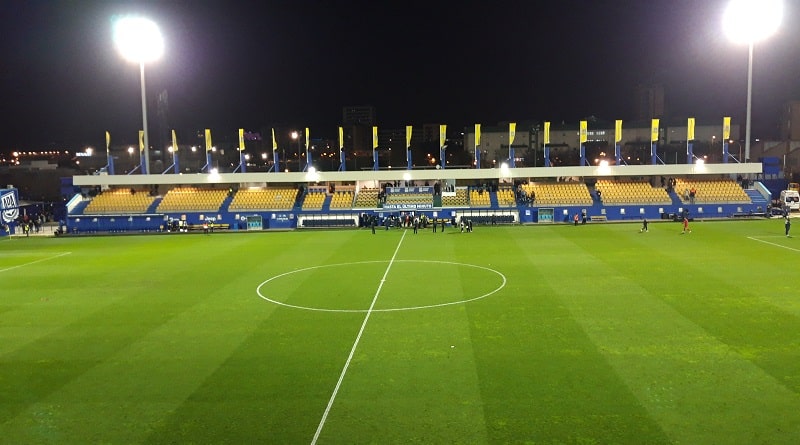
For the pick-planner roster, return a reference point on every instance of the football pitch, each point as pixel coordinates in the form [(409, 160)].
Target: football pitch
[(595, 334)]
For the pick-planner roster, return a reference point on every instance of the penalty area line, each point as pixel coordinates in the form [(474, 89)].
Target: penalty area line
[(34, 262), (773, 244), (355, 344)]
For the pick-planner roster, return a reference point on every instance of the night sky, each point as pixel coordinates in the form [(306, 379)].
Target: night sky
[(232, 64)]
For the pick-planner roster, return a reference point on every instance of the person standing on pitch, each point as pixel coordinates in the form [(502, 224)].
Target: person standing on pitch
[(644, 225), (686, 225), (787, 222)]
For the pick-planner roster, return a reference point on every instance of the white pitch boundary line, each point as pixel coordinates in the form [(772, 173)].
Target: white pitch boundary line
[(397, 309), (355, 344), (34, 262), (773, 244)]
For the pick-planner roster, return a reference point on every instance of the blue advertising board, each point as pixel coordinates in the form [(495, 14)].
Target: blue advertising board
[(9, 206)]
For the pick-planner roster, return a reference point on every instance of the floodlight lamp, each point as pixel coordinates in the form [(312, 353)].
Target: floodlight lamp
[(138, 39), (749, 21)]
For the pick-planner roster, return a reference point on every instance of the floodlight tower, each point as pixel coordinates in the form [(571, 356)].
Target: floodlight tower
[(750, 21), (139, 40)]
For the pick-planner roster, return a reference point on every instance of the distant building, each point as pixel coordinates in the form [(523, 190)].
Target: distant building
[(357, 121), (635, 143), (494, 144), (790, 121), (787, 148), (358, 115), (650, 103)]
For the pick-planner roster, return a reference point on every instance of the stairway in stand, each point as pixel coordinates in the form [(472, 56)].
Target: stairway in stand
[(756, 197)]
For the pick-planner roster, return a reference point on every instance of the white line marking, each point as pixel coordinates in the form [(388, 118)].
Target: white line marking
[(355, 344), (34, 262), (412, 308), (773, 244)]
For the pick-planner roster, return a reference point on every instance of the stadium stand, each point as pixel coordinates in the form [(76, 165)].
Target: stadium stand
[(479, 198), (120, 201), (505, 197), (459, 200), (342, 199), (314, 199), (631, 192), (182, 199), (558, 193), (711, 191), (409, 198), (264, 199), (367, 198)]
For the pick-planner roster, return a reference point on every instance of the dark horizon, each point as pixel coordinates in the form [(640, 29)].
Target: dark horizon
[(253, 65)]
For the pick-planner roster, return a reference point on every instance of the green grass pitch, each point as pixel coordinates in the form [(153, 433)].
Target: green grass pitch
[(596, 334)]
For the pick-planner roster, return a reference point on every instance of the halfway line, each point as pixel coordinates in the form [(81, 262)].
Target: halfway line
[(355, 344), (772, 244), (34, 262)]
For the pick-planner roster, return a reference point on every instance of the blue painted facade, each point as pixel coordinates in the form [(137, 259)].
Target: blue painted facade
[(155, 222)]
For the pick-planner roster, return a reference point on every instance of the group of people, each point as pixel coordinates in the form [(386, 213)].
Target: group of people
[(415, 222), (466, 224), (689, 195), (668, 184), (524, 197)]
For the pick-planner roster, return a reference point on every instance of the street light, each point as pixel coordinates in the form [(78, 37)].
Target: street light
[(750, 21), (139, 40), (295, 137)]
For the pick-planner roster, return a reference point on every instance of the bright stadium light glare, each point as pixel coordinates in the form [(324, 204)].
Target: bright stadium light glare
[(750, 21), (138, 39)]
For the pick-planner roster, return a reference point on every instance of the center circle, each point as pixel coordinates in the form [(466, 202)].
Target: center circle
[(428, 263)]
